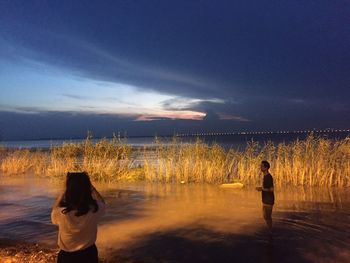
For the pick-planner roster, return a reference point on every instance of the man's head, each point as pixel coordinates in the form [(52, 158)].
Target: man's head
[(265, 166)]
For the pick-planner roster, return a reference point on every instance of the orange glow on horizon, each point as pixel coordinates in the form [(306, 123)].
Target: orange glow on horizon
[(173, 115)]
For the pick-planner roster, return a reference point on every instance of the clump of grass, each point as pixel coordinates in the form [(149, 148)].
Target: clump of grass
[(106, 160), (313, 162), (180, 162), (310, 162), (17, 162), (3, 151)]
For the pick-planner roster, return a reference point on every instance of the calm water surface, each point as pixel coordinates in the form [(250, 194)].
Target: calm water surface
[(190, 223), (237, 141)]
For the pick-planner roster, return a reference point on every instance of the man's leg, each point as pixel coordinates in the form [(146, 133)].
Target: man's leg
[(267, 213)]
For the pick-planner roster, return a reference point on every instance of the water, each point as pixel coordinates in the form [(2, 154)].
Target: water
[(190, 223), (46, 144), (227, 141)]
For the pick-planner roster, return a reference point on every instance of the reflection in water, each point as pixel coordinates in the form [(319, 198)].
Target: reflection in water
[(184, 223)]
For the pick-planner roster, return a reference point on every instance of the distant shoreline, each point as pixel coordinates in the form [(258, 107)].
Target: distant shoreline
[(193, 135)]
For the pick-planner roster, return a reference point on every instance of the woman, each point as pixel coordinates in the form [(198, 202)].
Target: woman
[(76, 212)]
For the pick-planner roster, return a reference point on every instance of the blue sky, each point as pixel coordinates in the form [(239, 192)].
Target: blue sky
[(149, 67)]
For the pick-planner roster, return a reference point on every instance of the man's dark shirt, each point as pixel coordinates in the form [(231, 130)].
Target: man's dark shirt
[(268, 197)]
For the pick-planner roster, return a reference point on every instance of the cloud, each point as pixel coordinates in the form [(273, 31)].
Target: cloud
[(55, 125), (76, 97), (84, 59), (247, 65), (21, 109), (172, 115), (225, 116), (101, 99), (181, 103), (296, 101)]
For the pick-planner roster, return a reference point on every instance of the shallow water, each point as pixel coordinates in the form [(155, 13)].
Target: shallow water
[(190, 223)]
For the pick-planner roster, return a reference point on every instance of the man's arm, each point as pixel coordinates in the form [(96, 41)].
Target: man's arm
[(259, 188), (267, 189)]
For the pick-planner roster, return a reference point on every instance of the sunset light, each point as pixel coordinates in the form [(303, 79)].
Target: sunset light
[(149, 131)]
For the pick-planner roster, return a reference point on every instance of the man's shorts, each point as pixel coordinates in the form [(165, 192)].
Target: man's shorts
[(267, 211)]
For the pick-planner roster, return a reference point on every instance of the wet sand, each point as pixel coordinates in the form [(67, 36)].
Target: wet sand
[(163, 223)]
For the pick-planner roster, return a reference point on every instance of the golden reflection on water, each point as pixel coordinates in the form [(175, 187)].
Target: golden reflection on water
[(166, 208), (138, 210)]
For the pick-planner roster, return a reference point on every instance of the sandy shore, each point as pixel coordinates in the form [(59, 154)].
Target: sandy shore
[(19, 252)]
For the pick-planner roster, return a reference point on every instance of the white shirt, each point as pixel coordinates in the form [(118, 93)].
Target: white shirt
[(77, 232)]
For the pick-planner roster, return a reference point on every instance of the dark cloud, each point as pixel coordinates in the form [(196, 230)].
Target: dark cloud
[(272, 62), (211, 116), (65, 125), (51, 125)]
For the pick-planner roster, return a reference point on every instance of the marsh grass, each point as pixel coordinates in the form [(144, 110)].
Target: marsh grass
[(310, 162)]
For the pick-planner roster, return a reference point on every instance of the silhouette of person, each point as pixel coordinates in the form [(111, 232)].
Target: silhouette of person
[(267, 194)]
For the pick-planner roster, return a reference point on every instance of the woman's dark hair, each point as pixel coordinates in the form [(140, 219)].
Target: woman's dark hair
[(78, 194), (266, 164)]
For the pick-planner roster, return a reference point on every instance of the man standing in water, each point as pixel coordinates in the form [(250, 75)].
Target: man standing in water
[(267, 194)]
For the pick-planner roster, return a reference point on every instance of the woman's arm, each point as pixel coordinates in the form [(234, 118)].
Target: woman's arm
[(97, 195), (58, 200), (55, 212)]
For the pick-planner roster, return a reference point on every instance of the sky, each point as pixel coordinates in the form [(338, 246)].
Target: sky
[(145, 67)]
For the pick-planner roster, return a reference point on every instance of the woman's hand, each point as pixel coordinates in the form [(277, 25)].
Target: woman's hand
[(96, 194), (258, 188)]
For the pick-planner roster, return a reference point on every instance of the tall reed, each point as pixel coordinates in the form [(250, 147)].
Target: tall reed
[(310, 162)]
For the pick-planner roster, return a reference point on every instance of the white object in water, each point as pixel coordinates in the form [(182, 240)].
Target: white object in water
[(233, 185)]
